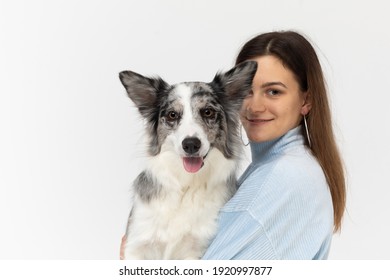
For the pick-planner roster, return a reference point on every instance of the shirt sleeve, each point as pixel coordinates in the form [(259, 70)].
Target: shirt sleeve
[(240, 237)]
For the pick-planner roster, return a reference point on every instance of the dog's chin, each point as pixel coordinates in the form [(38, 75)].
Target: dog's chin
[(193, 164)]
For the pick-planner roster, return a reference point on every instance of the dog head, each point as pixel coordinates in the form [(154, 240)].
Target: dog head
[(191, 118)]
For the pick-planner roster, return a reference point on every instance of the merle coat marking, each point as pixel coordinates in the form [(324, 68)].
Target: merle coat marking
[(194, 147)]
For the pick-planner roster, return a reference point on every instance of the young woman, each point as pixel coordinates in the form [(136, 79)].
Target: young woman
[(291, 198)]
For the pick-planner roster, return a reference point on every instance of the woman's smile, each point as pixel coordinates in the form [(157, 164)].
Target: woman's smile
[(258, 121)]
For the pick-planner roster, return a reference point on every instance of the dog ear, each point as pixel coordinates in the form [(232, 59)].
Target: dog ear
[(142, 90), (237, 82)]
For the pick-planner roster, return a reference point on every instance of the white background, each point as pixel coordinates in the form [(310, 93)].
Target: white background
[(71, 141)]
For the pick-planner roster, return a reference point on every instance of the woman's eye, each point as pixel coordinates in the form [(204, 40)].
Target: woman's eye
[(273, 92), (207, 113), (172, 116)]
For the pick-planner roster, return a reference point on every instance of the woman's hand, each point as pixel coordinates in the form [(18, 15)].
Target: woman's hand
[(122, 251)]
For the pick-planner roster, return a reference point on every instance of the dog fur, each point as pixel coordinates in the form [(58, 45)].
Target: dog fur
[(194, 148)]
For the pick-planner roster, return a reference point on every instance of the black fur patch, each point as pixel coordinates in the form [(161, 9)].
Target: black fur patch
[(145, 187)]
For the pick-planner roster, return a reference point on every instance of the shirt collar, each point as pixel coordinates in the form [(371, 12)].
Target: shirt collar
[(262, 151)]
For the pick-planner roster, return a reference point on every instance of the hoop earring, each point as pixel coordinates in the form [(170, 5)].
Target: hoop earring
[(307, 130), (241, 137)]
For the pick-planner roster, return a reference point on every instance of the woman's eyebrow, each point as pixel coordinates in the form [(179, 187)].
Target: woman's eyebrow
[(273, 84)]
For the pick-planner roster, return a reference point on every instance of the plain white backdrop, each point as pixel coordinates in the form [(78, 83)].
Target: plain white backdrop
[(71, 141)]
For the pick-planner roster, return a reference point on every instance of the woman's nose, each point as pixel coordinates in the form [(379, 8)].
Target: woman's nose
[(257, 103)]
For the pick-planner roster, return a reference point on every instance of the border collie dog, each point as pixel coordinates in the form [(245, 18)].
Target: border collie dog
[(194, 147)]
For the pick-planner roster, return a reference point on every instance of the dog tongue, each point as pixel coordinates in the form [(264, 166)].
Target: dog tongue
[(192, 164)]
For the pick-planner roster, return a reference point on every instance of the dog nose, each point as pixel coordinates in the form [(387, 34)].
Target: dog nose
[(191, 145)]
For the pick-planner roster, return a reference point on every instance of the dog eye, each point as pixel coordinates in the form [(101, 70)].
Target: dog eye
[(172, 116), (207, 113)]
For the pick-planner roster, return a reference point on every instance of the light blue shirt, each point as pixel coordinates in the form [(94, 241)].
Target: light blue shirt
[(282, 209)]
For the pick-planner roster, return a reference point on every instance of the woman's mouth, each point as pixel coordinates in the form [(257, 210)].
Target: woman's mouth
[(258, 121)]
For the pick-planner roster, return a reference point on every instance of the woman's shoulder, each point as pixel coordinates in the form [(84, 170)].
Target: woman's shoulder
[(299, 167), (295, 176)]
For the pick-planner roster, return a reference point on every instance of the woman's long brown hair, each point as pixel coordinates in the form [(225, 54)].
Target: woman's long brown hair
[(298, 55)]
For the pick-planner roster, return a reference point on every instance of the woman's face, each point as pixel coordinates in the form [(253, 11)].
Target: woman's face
[(275, 105)]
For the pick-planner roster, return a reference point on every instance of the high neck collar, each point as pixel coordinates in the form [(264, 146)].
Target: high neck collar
[(262, 151)]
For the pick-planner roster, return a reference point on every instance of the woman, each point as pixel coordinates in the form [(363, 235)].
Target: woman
[(291, 198)]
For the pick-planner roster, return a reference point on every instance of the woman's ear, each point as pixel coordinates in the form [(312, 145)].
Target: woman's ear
[(306, 106)]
